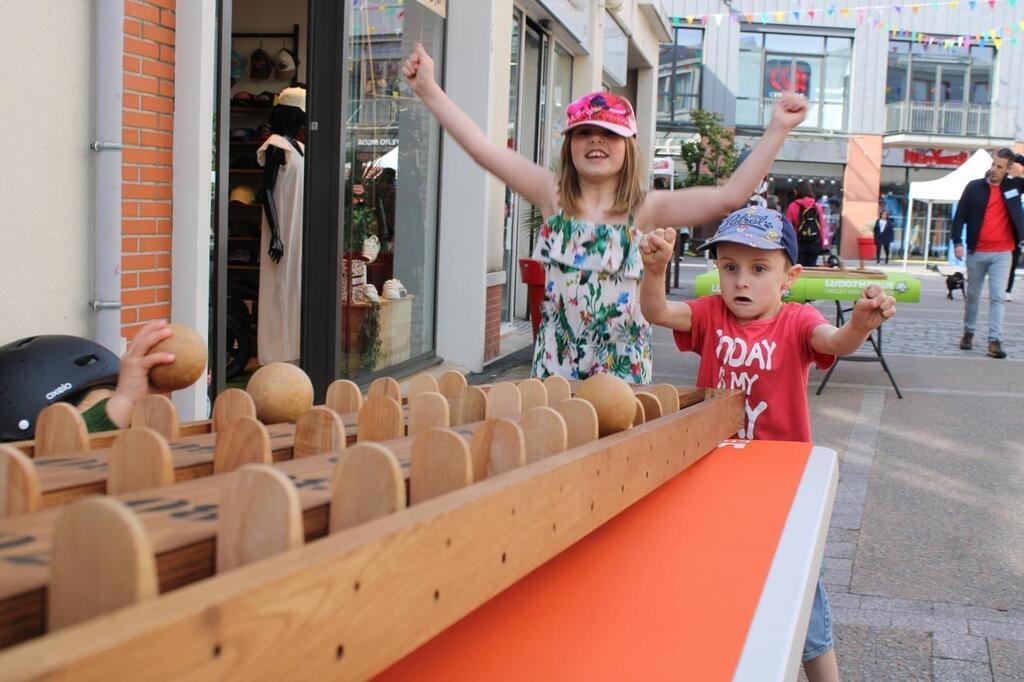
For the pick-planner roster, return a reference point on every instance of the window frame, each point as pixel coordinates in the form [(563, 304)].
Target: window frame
[(672, 120)]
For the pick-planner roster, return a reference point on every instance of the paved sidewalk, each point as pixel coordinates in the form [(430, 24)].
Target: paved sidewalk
[(925, 553)]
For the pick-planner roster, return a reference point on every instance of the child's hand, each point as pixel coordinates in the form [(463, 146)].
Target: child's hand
[(133, 381), (418, 70), (872, 308), (790, 110), (656, 249)]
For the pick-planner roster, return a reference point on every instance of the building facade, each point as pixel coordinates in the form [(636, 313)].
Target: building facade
[(898, 92)]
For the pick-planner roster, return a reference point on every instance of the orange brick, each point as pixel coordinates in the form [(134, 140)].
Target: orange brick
[(129, 245), (163, 260), (129, 136), (130, 101), (129, 280), (129, 209), (162, 105), (158, 69), (141, 48), (133, 191), (166, 123), (156, 174), (130, 174), (163, 227), (140, 119), (163, 294), (148, 244), (141, 84), (132, 27), (129, 315), (167, 88), (166, 4), (147, 156), (141, 11), (167, 54), (161, 210), (167, 19), (129, 331), (144, 261), (155, 278), (154, 312), (137, 296), (149, 139), (132, 64), (138, 227), (157, 34)]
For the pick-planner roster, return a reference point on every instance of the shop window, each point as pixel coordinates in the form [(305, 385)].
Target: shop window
[(679, 76), (391, 189), (817, 67)]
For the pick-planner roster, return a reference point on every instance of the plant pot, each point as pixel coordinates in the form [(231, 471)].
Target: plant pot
[(866, 247), (532, 273)]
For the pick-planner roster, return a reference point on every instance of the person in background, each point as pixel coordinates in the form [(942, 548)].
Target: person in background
[(809, 222), (883, 236)]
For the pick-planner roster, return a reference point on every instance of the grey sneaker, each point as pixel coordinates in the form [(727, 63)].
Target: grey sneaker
[(967, 341), (995, 350)]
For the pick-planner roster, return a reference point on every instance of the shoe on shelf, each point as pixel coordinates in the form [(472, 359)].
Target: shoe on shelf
[(393, 289), (995, 350), (370, 292), (967, 341), (1008, 298), (371, 247)]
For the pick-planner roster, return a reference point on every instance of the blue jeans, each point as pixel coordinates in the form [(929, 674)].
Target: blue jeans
[(995, 264), (819, 627)]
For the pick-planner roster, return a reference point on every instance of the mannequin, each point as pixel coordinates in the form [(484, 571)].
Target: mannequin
[(282, 159)]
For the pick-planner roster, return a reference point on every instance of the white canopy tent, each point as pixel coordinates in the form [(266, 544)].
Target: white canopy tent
[(664, 166), (944, 190)]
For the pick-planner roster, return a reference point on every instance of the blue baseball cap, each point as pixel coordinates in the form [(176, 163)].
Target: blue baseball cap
[(760, 228)]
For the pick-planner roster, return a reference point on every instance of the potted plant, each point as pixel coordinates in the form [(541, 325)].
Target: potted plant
[(866, 241), (710, 159), (531, 271)]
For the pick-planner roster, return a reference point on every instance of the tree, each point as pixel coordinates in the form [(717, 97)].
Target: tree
[(712, 158)]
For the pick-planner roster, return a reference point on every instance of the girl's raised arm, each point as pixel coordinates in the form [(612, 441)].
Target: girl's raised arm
[(534, 182), (698, 205)]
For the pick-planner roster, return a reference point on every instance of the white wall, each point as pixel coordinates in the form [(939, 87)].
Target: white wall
[(46, 175)]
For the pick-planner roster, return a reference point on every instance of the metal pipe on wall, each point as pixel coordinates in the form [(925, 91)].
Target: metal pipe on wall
[(106, 295)]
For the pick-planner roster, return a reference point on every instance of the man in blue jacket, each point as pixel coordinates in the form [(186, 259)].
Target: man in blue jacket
[(991, 209)]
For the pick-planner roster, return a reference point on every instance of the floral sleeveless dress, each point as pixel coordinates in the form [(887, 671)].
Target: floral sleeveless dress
[(590, 319)]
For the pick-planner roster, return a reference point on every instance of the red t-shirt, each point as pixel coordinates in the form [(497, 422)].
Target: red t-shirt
[(996, 233), (769, 359)]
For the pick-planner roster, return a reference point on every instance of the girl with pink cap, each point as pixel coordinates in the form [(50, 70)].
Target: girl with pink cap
[(596, 209)]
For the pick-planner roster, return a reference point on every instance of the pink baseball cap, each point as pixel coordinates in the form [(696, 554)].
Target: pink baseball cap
[(603, 109)]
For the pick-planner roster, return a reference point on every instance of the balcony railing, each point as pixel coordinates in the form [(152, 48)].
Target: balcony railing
[(951, 118), (374, 113)]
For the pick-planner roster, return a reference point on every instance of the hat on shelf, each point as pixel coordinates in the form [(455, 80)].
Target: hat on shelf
[(293, 97), (242, 99), (240, 256), (242, 194), (263, 132), (243, 134), (286, 64), (237, 66), (265, 99), (260, 64)]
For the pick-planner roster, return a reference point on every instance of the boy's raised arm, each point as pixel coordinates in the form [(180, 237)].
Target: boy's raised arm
[(698, 205), (869, 312), (534, 182), (656, 249)]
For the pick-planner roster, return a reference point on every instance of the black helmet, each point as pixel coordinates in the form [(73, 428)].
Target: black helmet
[(41, 370)]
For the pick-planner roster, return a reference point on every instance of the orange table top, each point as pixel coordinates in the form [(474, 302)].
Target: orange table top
[(667, 589)]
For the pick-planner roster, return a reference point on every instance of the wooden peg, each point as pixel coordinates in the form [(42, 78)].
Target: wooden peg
[(243, 440), (640, 416), (428, 410), (259, 516), (668, 396), (503, 400), (380, 419), (652, 406), (19, 484), (385, 386), (497, 446), (156, 412), (344, 397), (101, 560), (60, 429), (451, 384), (580, 421), (534, 394), (558, 390), (438, 463), (231, 403), (423, 383), (469, 406), (139, 458), (318, 430), (544, 432), (368, 483)]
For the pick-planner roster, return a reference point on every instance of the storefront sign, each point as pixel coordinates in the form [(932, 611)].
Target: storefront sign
[(935, 157), (439, 6)]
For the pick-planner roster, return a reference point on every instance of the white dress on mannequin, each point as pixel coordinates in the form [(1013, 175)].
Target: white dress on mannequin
[(277, 333)]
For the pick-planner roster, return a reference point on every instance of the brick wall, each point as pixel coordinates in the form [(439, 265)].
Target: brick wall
[(148, 122), (492, 322)]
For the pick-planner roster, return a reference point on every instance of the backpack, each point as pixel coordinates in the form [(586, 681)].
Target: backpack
[(808, 230)]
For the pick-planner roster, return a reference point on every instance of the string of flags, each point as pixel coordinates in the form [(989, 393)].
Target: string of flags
[(395, 8), (880, 17)]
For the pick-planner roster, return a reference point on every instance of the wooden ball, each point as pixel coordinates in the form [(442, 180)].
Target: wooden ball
[(613, 400), (189, 359), (281, 392)]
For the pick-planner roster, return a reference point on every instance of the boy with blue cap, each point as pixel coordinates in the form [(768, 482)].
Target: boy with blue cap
[(747, 338)]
